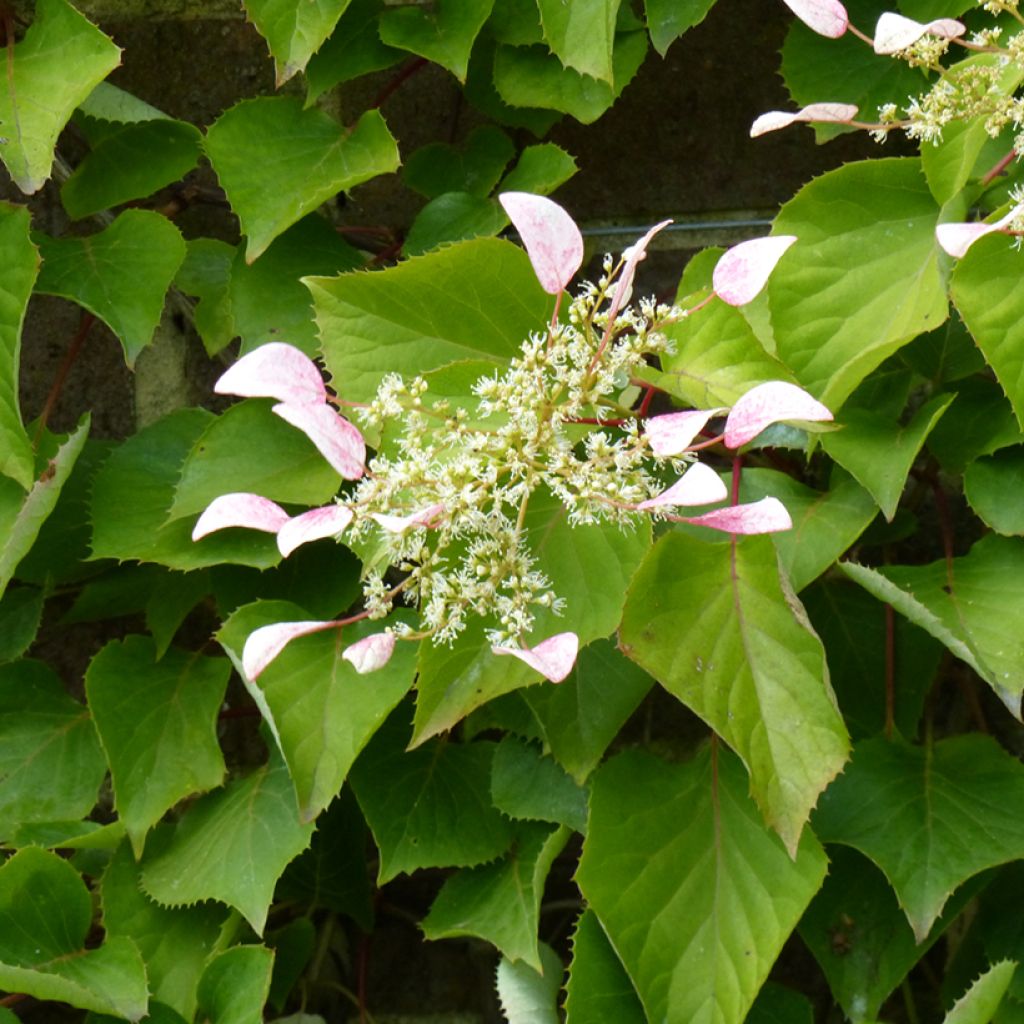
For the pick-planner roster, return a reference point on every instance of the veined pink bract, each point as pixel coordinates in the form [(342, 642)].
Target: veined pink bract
[(267, 642), (826, 17), (771, 402), (744, 269), (552, 240), (240, 509), (315, 524), (894, 32), (370, 653), (337, 440), (826, 113), (699, 485), (552, 658), (276, 371)]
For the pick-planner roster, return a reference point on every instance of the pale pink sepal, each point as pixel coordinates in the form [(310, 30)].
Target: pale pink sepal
[(240, 509), (768, 515), (826, 17), (370, 653), (399, 524), (699, 485), (315, 524), (744, 269), (276, 371), (552, 658), (894, 32), (674, 432), (267, 642), (828, 113), (956, 239), (552, 239), (337, 440), (771, 402), (633, 255)]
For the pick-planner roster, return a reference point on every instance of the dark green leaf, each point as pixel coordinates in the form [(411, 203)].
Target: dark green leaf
[(293, 947), (443, 33), (776, 1004), (991, 486), (205, 274), (979, 422), (581, 34), (20, 612), (173, 597), (525, 784), (475, 167), (453, 217), (120, 275), (599, 988), (235, 985), (540, 169), (695, 893), (294, 31), (667, 20)]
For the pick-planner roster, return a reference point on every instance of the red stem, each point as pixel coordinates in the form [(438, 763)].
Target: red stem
[(403, 74), (999, 168), (737, 468), (364, 960), (645, 403), (85, 322)]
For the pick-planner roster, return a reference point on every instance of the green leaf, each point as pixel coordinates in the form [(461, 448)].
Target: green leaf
[(516, 22), (475, 167), (776, 1004), (173, 597), (528, 785), (979, 422), (289, 469), (909, 810), (852, 626), (160, 733), (45, 916), (581, 34), (354, 49), (987, 290), (131, 163), (946, 355), (231, 845), (133, 492), (20, 612), (581, 716), (54, 68), (863, 279), (845, 69), (532, 76), (599, 988), (22, 515), (421, 315), (860, 937), (205, 274), (294, 31), (695, 893), (21, 264), (976, 608), (120, 275), (540, 169), (269, 301), (428, 807), (51, 764), (500, 902), (979, 1003), (589, 566), (293, 947), (667, 20), (108, 103), (824, 524), (278, 162), (321, 711), (880, 452), (175, 943), (713, 623), (235, 986), (443, 33), (528, 996), (991, 485), (453, 217)]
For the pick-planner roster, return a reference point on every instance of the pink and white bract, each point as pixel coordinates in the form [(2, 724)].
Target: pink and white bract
[(552, 658), (827, 113), (768, 515), (552, 239), (370, 653), (956, 239), (399, 524), (315, 524), (826, 17), (768, 403), (633, 255), (672, 433), (267, 642), (744, 269), (337, 440), (894, 32), (699, 485), (276, 371), (240, 509)]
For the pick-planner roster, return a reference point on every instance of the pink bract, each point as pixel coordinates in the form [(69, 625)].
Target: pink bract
[(826, 17), (240, 509), (894, 32), (276, 371), (768, 515), (633, 255), (267, 642), (552, 239), (315, 524), (399, 524), (674, 432), (771, 402), (370, 653), (956, 239), (337, 440), (828, 113), (744, 269), (699, 485), (552, 658)]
